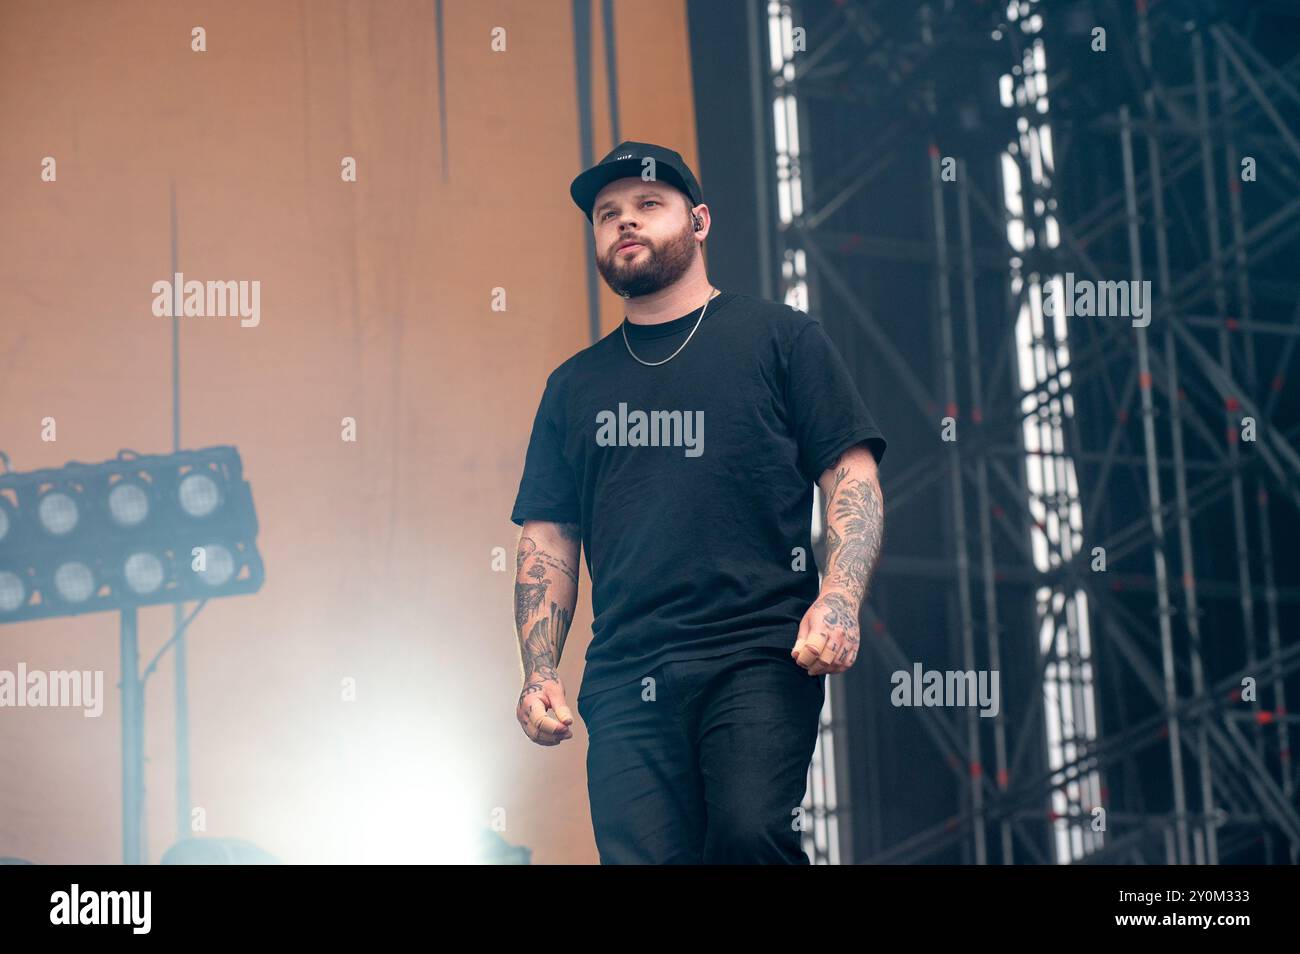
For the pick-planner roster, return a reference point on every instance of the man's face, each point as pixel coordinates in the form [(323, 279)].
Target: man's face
[(656, 217)]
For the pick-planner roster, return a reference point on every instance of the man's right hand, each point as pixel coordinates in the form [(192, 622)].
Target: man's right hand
[(539, 694)]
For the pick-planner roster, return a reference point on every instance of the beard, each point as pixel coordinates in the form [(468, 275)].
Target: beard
[(659, 267)]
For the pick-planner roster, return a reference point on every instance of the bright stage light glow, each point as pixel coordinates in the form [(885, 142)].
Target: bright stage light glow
[(128, 504), (396, 803), (74, 581), (198, 494), (143, 572), (58, 513), (12, 591), (219, 565)]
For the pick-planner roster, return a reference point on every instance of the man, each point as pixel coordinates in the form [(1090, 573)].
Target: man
[(680, 452)]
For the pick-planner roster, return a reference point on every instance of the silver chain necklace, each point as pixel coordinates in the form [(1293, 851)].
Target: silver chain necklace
[(653, 364)]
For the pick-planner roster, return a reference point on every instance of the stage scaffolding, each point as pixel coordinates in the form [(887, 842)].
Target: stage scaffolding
[(1169, 444)]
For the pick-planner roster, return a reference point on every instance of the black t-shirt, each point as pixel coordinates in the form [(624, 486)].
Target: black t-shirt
[(691, 516)]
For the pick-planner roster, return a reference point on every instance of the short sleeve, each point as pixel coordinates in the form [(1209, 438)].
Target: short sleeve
[(547, 490), (826, 410)]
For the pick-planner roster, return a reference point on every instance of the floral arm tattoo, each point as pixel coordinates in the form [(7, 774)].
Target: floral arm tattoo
[(855, 526), (546, 591)]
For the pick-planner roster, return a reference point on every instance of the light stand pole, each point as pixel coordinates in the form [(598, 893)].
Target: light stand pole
[(132, 741), (180, 659)]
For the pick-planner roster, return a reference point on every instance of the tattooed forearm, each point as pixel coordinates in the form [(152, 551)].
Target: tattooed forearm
[(528, 600), (560, 620), (833, 542), (545, 643), (546, 591), (527, 547), (542, 559), (855, 526), (550, 561)]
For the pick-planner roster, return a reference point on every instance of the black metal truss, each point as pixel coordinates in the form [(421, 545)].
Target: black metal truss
[(1154, 152)]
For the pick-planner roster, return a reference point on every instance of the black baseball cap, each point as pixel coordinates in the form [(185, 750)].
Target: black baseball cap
[(625, 160)]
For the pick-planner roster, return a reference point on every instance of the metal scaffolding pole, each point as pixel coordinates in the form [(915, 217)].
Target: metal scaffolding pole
[(1206, 848), (989, 584), (1244, 314), (1183, 856), (961, 546)]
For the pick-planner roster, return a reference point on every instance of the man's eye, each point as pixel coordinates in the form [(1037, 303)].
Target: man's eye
[(610, 212)]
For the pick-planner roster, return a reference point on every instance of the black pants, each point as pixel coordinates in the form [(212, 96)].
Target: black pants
[(706, 765)]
